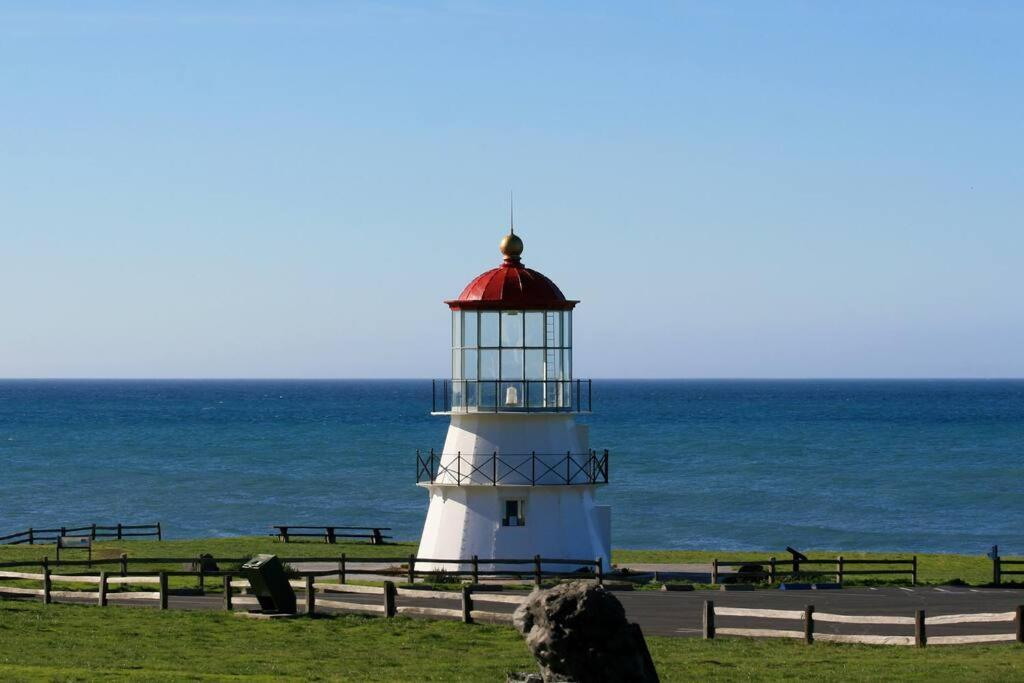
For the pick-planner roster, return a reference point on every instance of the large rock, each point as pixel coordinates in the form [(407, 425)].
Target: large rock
[(578, 632)]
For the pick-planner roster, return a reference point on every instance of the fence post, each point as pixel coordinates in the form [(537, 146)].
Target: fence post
[(771, 569), (124, 564), (46, 562), (412, 569), (997, 570), (310, 595), (102, 590), (92, 533), (536, 571), (839, 570), (709, 620), (1020, 623), (202, 575), (467, 605), (48, 585), (389, 599), (159, 533), (341, 569), (476, 569), (920, 636), (31, 537), (163, 590), (714, 571), (599, 569), (809, 624), (119, 531), (227, 593), (913, 575)]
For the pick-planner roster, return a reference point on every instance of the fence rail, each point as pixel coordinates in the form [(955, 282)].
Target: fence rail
[(34, 536), (306, 580), (476, 602), (344, 566), (808, 617), (1002, 567), (492, 469), (772, 569)]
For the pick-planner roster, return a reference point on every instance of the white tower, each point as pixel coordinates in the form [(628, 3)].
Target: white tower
[(516, 477)]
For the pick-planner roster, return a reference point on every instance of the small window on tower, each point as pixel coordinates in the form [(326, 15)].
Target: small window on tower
[(515, 513)]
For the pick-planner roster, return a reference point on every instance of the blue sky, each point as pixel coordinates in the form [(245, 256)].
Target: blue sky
[(791, 189)]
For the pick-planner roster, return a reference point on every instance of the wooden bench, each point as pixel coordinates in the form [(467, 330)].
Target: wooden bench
[(330, 534), (76, 543)]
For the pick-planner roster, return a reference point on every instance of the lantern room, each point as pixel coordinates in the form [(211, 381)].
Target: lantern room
[(511, 344)]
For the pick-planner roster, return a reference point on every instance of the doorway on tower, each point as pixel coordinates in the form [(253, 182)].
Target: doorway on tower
[(515, 512)]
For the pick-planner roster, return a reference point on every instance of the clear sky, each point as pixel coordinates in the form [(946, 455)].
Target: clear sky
[(277, 189)]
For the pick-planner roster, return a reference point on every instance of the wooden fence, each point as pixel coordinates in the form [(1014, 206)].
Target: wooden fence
[(33, 536), (1002, 567), (476, 602), (328, 595), (345, 566), (314, 595), (772, 569), (808, 618)]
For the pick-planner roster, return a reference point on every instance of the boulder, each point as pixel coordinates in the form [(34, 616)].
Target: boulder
[(578, 632)]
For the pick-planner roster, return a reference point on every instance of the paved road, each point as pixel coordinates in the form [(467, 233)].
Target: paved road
[(679, 613)]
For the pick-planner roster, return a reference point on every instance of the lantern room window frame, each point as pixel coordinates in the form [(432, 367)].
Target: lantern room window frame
[(533, 356)]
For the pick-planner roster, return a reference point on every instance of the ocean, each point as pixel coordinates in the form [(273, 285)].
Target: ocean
[(925, 466)]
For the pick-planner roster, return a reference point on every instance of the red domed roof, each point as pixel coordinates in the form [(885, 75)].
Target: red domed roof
[(511, 285)]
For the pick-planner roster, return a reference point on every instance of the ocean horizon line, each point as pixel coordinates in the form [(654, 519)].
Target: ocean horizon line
[(965, 378)]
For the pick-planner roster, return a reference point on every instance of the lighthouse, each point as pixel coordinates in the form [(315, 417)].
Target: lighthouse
[(516, 476)]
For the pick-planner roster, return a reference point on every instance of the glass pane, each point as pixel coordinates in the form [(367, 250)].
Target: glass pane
[(554, 364), (469, 331), (511, 363), (534, 328), (487, 395), (456, 329), (456, 364), (567, 325), (567, 363), (488, 328), (511, 328), (469, 364), (554, 331), (489, 364), (535, 364)]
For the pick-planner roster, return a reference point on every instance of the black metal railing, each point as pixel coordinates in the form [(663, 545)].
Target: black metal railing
[(492, 469), (511, 396)]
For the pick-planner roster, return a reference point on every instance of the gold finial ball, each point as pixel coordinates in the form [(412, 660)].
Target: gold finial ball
[(511, 246)]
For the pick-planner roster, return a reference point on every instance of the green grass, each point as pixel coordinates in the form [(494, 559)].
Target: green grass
[(932, 569), (69, 642)]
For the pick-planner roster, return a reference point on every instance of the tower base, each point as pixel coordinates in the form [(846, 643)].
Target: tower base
[(556, 522)]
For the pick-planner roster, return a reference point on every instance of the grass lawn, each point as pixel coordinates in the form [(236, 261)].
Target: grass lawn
[(69, 642)]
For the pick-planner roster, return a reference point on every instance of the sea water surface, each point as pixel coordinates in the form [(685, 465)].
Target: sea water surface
[(870, 465)]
